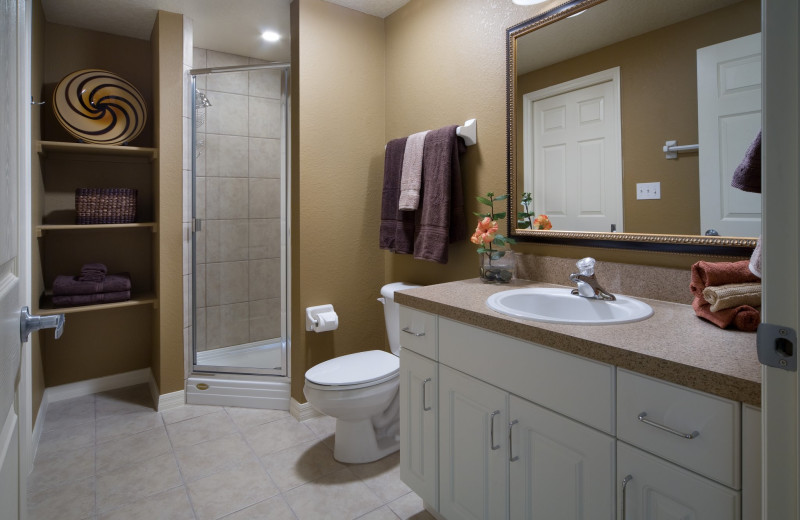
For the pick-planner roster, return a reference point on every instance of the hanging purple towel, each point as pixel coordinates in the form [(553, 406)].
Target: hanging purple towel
[(397, 227), (747, 176)]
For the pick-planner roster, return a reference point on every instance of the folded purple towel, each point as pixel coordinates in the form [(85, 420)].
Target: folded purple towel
[(747, 176), (72, 285), (77, 300), (94, 272)]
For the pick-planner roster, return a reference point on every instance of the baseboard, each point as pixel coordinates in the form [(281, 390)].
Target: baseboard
[(100, 384), (247, 392), (171, 400), (302, 411), (38, 426)]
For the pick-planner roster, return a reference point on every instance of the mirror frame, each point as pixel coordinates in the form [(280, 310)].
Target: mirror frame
[(689, 244)]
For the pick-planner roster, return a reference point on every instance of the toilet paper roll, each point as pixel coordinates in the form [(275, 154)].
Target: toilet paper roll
[(326, 321)]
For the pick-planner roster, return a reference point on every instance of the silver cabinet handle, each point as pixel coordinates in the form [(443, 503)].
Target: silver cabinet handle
[(408, 330), (642, 418), (511, 457), (425, 408), (624, 490), (491, 431)]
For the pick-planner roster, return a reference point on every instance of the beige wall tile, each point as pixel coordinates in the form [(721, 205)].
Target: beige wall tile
[(226, 240), (265, 198), (235, 321), (228, 114), (224, 59), (265, 279), (232, 82), (226, 155), (265, 118), (265, 157), (265, 238), (226, 198), (265, 319), (226, 282), (265, 83)]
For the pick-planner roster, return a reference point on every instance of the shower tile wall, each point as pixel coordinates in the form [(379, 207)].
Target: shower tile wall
[(239, 200)]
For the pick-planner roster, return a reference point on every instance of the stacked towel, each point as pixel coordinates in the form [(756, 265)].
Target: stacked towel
[(715, 274), (95, 272), (72, 291), (733, 295)]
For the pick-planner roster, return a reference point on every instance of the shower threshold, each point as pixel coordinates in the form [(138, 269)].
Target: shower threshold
[(260, 355)]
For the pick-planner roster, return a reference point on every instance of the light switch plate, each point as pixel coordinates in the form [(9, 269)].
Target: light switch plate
[(648, 190)]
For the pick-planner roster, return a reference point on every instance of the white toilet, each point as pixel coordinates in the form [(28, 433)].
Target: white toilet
[(362, 392)]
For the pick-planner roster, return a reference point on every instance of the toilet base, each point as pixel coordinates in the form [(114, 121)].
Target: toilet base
[(356, 443)]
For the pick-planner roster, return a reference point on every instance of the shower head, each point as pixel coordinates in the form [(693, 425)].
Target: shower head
[(201, 100)]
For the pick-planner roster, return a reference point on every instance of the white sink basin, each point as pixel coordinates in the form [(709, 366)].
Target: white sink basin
[(552, 305)]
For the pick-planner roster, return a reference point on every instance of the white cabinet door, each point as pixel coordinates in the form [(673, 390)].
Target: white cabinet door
[(419, 457), (659, 490), (473, 448), (560, 469)]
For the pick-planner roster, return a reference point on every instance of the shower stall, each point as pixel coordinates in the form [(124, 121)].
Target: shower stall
[(240, 187)]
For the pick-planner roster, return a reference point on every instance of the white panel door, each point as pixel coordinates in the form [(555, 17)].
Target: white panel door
[(560, 469), (473, 448), (13, 268), (574, 146), (655, 489), (728, 119), (419, 409)]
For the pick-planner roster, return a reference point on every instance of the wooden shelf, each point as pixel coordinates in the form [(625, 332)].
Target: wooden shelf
[(85, 227), (45, 147), (46, 306)]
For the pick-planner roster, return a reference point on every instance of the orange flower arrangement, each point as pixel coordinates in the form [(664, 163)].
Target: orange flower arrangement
[(486, 236)]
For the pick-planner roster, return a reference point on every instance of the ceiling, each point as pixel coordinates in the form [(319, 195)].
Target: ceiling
[(232, 26)]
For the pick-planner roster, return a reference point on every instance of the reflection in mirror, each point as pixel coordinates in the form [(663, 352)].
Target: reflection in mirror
[(594, 99)]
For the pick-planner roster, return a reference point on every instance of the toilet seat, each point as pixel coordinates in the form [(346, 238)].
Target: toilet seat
[(353, 371)]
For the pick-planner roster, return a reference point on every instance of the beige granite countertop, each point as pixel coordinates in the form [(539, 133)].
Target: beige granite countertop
[(673, 345)]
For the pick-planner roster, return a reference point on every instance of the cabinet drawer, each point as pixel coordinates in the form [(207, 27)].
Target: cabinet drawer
[(576, 387), (715, 450), (418, 331)]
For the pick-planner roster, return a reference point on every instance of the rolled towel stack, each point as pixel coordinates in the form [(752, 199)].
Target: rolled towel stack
[(73, 291), (723, 281)]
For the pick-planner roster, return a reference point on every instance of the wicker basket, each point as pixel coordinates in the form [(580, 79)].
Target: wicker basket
[(105, 205)]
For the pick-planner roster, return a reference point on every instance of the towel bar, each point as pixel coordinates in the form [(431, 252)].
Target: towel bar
[(671, 149), (468, 131)]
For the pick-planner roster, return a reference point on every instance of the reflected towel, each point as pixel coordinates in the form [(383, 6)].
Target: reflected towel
[(411, 178), (76, 300), (441, 219), (755, 259), (72, 285), (705, 274), (733, 295), (747, 176)]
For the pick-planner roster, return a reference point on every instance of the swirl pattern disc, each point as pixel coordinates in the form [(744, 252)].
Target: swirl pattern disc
[(97, 106)]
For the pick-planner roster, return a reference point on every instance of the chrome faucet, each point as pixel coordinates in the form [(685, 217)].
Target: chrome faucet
[(588, 286)]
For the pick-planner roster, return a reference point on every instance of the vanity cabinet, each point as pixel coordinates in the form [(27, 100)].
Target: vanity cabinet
[(531, 432)]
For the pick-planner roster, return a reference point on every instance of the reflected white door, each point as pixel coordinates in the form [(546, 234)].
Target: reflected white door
[(728, 119), (14, 404), (572, 153)]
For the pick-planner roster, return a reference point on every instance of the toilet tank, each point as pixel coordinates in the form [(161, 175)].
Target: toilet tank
[(391, 313)]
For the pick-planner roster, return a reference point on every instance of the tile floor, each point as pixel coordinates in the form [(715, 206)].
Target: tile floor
[(109, 456)]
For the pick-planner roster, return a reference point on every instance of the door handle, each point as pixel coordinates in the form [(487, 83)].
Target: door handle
[(29, 323)]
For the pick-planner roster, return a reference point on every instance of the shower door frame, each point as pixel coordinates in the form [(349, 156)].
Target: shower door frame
[(285, 369)]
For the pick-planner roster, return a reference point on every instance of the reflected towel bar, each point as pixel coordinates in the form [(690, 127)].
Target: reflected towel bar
[(671, 149)]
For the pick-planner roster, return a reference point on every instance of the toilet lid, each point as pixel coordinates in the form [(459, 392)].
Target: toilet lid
[(354, 369)]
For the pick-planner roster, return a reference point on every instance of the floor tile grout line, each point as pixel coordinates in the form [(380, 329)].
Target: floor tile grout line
[(180, 470)]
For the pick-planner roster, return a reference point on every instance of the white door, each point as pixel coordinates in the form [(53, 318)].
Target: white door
[(573, 154), (419, 456), (473, 448), (781, 252), (14, 406), (651, 488), (559, 469), (728, 119)]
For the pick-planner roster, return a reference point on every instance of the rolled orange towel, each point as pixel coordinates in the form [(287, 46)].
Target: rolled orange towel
[(704, 274)]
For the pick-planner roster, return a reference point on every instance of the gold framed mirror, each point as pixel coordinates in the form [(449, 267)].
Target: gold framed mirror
[(595, 91)]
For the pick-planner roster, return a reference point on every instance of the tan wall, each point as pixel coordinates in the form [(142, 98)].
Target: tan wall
[(446, 63), (167, 48), (338, 127), (659, 103)]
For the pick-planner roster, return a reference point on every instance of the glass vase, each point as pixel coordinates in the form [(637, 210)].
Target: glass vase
[(497, 270)]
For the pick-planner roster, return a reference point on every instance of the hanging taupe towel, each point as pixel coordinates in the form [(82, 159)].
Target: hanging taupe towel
[(397, 227), (411, 179), (441, 210)]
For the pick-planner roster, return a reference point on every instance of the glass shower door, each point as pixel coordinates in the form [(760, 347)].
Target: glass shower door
[(240, 220)]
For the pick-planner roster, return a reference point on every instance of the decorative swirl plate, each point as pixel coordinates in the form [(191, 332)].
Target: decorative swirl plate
[(97, 106)]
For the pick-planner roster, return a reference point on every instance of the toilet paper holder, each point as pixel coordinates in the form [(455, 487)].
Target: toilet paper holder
[(312, 315)]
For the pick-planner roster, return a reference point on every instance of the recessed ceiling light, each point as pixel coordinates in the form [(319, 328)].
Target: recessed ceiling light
[(271, 36), (528, 2)]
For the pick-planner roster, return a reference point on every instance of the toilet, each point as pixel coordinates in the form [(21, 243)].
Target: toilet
[(361, 391)]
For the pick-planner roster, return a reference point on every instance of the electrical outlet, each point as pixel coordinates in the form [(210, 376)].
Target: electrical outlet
[(648, 190)]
